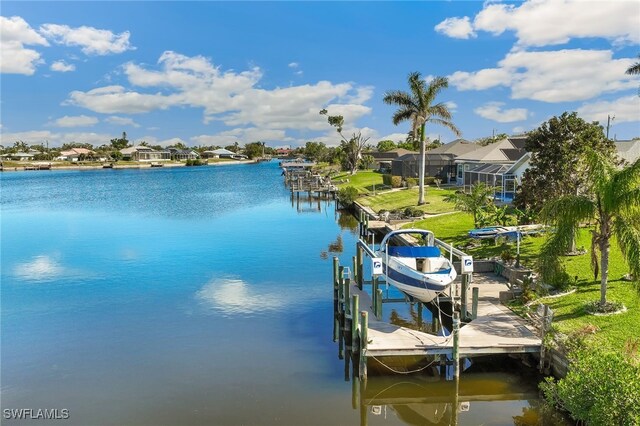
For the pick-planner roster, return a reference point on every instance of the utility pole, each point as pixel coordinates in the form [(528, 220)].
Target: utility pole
[(609, 120)]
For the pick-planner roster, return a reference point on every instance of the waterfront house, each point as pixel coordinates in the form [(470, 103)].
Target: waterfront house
[(383, 159), (144, 153), (75, 154), (439, 161), (628, 150), (223, 153), (183, 154)]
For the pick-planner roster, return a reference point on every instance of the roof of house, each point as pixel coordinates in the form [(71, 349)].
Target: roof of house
[(390, 155), (221, 151), (494, 153), (430, 156), (137, 148), (76, 151), (628, 150), (457, 147)]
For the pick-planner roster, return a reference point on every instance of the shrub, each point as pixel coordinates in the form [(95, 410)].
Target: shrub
[(429, 180), (507, 256), (396, 181), (346, 196), (411, 182), (601, 388), (386, 179), (413, 212)]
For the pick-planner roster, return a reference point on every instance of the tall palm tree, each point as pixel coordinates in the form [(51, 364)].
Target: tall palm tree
[(418, 107), (613, 204)]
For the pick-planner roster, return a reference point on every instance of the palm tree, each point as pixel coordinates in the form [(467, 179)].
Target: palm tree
[(635, 68), (418, 106), (474, 202), (613, 204)]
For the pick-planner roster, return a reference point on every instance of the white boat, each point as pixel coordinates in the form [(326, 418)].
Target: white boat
[(505, 231), (419, 271)]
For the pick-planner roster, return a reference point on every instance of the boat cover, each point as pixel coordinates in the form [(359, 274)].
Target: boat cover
[(408, 251)]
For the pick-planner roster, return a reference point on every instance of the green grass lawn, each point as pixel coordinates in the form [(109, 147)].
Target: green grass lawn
[(612, 331), (409, 198), (363, 180)]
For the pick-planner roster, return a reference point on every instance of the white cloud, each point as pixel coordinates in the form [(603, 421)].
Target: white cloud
[(552, 76), (15, 33), (294, 65), (54, 139), (493, 111), (91, 40), (518, 130), (625, 109), (62, 66), (453, 107), (456, 28), (552, 22), (396, 137), (231, 97), (76, 121), (121, 121)]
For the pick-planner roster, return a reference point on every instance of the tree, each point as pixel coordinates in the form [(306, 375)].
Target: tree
[(612, 202), (489, 140), (387, 145), (120, 143), (557, 148), (474, 202), (316, 151), (351, 149), (253, 149), (418, 107)]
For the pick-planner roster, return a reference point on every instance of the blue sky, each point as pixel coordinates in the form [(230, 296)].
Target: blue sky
[(212, 73)]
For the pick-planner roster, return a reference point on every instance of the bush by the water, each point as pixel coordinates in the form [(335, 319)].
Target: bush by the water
[(196, 162), (346, 196), (601, 388)]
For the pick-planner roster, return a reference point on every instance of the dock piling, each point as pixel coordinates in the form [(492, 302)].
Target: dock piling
[(474, 303), (379, 303), (456, 344), (463, 296), (364, 324)]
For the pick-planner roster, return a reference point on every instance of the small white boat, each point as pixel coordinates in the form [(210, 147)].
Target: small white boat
[(419, 271), (505, 231)]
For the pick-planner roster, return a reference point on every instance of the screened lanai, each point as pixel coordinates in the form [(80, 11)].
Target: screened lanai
[(495, 175)]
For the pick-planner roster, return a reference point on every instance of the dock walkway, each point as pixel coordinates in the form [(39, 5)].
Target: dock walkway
[(495, 330)]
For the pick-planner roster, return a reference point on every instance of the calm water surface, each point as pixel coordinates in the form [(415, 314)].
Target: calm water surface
[(194, 296)]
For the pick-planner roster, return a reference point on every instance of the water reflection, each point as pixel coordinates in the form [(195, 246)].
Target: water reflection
[(420, 400), (347, 221), (45, 268), (233, 296)]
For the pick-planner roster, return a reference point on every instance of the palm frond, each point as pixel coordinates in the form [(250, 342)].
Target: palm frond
[(403, 114), (627, 232), (568, 209), (398, 97), (447, 124)]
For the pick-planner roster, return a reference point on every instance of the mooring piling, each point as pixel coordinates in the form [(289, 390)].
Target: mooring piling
[(456, 343), (364, 325), (379, 303), (464, 287), (474, 303)]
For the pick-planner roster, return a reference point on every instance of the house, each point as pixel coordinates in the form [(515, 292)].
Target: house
[(20, 156), (439, 162), (144, 153), (383, 159), (283, 152), (75, 154), (223, 153), (505, 152), (183, 154)]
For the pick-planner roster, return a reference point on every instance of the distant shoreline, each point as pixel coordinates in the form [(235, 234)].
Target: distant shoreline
[(123, 166)]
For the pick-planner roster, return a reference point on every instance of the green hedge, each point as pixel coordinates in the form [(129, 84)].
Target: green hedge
[(392, 181)]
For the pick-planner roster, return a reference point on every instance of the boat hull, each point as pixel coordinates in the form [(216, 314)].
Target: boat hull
[(422, 286)]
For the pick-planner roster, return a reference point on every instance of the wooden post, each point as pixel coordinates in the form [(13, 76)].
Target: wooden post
[(364, 324), (355, 302), (374, 292), (420, 315), (465, 285), (336, 283), (359, 268), (379, 303), (474, 303), (340, 282), (354, 266), (336, 264), (456, 343), (544, 333), (345, 295)]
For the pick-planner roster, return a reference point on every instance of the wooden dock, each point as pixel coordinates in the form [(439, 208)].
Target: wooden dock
[(495, 330)]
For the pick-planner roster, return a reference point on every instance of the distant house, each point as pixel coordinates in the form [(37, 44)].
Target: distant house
[(144, 153), (183, 154), (20, 156), (505, 152), (74, 154), (283, 152), (223, 153)]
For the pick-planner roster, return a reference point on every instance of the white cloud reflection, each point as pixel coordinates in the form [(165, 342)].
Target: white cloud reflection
[(233, 296), (41, 268)]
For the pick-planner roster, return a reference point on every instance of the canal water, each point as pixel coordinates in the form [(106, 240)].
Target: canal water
[(197, 295)]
